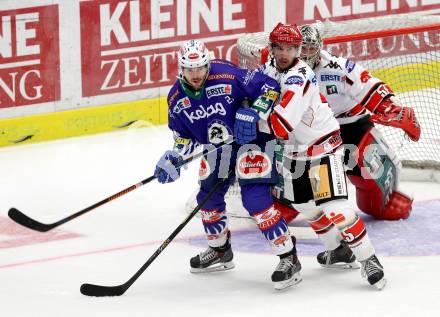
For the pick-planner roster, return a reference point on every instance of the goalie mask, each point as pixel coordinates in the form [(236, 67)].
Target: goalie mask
[(311, 45), (193, 54)]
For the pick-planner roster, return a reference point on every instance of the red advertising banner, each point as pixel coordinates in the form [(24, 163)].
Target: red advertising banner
[(131, 45), (29, 56), (308, 11)]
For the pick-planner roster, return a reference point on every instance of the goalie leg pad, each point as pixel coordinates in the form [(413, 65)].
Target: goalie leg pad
[(369, 197), (379, 177), (398, 207)]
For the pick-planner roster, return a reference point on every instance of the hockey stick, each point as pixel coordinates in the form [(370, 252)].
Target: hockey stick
[(100, 291), (33, 224)]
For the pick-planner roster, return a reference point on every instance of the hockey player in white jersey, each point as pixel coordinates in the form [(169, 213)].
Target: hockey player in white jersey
[(313, 173), (353, 94)]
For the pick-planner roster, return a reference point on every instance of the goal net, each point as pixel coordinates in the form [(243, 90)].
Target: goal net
[(403, 51)]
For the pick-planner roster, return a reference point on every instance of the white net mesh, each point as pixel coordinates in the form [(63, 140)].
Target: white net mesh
[(408, 60)]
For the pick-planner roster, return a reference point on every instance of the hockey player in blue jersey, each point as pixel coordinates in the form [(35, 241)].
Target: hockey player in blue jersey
[(203, 105)]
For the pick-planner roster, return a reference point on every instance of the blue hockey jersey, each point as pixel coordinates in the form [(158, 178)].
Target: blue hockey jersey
[(208, 115)]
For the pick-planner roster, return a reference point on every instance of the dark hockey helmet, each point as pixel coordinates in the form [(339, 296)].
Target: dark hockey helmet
[(311, 44)]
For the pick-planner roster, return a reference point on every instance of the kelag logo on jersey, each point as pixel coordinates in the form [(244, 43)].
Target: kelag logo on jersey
[(201, 112), (218, 90), (181, 104), (349, 65), (294, 80)]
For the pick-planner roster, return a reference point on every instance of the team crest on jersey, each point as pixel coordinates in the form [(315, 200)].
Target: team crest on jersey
[(204, 169), (349, 65), (218, 132), (294, 80), (181, 104), (218, 90), (253, 164)]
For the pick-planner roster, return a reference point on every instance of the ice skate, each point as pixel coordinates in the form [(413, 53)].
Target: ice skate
[(213, 259), (342, 258), (287, 273), (372, 271)]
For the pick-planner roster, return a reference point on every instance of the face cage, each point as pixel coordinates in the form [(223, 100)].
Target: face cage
[(313, 59)]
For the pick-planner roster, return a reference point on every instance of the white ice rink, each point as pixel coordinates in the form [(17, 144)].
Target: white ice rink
[(40, 274)]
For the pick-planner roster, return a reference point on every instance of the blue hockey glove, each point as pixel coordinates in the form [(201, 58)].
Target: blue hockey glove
[(245, 126), (166, 170)]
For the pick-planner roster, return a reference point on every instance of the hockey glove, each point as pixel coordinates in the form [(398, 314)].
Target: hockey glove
[(245, 126), (404, 118), (166, 170)]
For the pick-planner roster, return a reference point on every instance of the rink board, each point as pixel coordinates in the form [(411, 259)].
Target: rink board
[(83, 121)]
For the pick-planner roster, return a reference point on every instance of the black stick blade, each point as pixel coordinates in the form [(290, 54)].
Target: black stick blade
[(101, 291), (27, 222)]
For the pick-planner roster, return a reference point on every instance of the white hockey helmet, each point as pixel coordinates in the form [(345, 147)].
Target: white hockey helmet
[(311, 44), (192, 54)]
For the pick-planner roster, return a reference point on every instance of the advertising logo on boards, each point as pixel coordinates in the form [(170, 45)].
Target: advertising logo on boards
[(29, 56), (134, 45)]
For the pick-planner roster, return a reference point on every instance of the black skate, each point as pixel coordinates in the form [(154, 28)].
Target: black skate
[(372, 271), (342, 258), (288, 270), (213, 259)]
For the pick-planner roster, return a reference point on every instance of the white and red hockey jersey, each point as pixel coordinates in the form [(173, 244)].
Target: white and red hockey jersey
[(347, 86), (301, 118)]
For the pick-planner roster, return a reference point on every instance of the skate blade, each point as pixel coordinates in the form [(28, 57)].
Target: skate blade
[(380, 284), (295, 279), (215, 268), (346, 266)]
